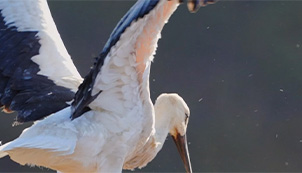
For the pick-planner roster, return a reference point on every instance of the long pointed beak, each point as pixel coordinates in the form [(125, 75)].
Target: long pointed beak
[(194, 5), (182, 147)]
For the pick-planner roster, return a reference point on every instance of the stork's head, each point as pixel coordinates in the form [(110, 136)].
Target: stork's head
[(172, 110)]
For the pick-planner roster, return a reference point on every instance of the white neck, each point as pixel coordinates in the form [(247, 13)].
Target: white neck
[(162, 127)]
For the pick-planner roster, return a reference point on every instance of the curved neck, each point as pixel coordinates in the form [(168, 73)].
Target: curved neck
[(162, 128)]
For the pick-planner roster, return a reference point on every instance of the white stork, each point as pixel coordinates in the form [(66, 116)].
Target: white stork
[(104, 123)]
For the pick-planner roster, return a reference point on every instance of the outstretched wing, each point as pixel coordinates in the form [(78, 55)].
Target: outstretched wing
[(37, 75), (120, 77)]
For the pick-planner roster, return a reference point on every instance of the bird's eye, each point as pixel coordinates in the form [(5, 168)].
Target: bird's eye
[(187, 118)]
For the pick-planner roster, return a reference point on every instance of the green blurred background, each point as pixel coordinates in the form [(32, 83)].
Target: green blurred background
[(236, 64)]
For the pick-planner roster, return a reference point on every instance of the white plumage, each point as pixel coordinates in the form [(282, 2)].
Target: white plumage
[(95, 142), (122, 129)]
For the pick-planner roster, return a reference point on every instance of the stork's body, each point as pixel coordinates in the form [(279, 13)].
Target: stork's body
[(112, 123), (66, 146)]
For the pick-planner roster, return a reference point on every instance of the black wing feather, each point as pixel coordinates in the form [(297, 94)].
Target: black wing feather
[(22, 89)]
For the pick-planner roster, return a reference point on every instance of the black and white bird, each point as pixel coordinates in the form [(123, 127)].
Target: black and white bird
[(105, 122)]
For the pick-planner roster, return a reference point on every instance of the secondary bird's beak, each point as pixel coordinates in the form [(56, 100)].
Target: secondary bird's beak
[(193, 5), (182, 147)]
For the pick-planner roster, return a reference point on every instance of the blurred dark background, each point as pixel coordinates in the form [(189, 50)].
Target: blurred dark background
[(236, 64)]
